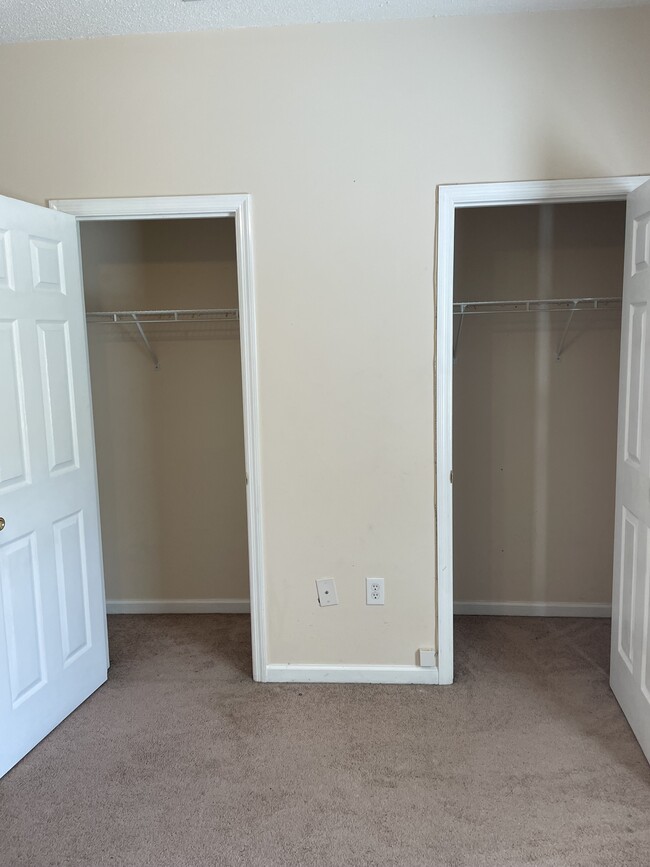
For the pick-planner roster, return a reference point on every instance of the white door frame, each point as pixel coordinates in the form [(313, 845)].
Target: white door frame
[(451, 197), (195, 207)]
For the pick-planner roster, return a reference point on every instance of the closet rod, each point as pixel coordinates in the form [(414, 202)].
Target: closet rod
[(127, 317), (537, 305), (147, 317), (550, 305)]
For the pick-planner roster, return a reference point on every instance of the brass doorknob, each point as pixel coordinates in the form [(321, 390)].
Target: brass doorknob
[(2, 523)]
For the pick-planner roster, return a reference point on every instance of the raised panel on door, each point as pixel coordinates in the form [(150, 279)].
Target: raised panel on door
[(47, 265), (641, 243), (72, 583), (23, 618), (58, 395), (6, 268), (644, 594), (14, 458), (636, 357), (627, 588)]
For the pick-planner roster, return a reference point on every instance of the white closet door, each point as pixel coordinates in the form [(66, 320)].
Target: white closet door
[(630, 652), (53, 649)]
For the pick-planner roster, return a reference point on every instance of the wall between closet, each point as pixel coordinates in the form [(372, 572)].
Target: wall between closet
[(534, 438), (169, 441)]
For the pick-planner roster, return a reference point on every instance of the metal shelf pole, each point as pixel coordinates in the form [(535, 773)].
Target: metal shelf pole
[(153, 355)]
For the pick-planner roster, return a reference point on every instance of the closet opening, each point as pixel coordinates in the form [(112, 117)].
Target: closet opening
[(162, 311), (537, 327), (623, 253), (539, 347)]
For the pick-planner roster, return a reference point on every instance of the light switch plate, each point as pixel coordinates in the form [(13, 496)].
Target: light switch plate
[(326, 589)]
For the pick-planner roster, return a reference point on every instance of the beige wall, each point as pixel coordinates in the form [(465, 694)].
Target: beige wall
[(169, 441), (534, 438), (341, 133)]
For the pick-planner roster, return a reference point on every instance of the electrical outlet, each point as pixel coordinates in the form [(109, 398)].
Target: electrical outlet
[(374, 591), (326, 589)]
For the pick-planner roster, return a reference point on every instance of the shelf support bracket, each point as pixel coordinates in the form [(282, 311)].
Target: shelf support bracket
[(152, 354), (460, 328), (560, 346)]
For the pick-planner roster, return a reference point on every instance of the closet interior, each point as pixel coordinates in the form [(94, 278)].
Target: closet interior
[(537, 315), (162, 312)]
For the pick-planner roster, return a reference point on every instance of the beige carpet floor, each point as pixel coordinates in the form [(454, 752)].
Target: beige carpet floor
[(180, 759)]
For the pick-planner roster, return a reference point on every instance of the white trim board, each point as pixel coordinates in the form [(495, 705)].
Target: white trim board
[(535, 609), (451, 197), (351, 674), (178, 606), (196, 207)]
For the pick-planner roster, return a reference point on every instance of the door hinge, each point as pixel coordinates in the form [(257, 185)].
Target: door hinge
[(451, 477)]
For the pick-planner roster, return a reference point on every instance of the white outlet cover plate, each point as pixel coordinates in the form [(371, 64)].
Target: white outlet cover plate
[(326, 589), (374, 591)]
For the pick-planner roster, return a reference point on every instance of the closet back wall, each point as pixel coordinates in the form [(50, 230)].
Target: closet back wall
[(535, 438), (170, 447)]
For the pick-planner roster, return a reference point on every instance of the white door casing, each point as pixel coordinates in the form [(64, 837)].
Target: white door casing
[(450, 198), (53, 648), (238, 207), (630, 649)]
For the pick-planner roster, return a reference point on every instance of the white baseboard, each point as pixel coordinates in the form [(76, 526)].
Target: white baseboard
[(535, 609), (350, 674), (178, 606)]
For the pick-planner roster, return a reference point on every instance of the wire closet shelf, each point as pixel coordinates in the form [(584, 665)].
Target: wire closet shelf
[(160, 317), (538, 305)]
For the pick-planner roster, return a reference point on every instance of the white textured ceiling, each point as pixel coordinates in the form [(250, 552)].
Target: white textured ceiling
[(29, 20)]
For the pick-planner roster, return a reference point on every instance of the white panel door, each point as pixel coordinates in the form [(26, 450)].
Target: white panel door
[(53, 650), (630, 652)]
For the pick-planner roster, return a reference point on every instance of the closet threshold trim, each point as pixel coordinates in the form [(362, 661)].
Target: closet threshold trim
[(130, 317)]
